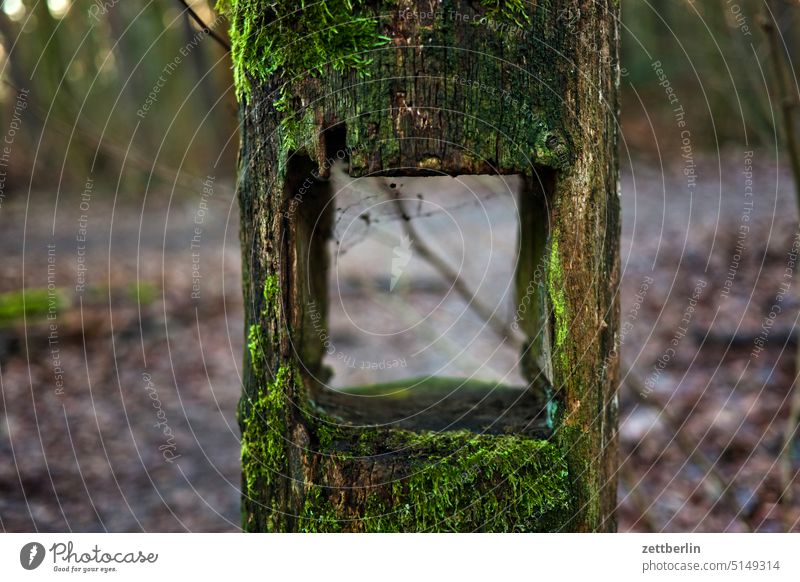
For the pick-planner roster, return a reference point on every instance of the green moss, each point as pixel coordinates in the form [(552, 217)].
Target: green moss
[(450, 481), (462, 482), (263, 417), (294, 39), (286, 45), (558, 299), (319, 515), (285, 42), (296, 132), (264, 442), (142, 292), (256, 338), (271, 292), (457, 481), (30, 303), (512, 11), (264, 423), (255, 347)]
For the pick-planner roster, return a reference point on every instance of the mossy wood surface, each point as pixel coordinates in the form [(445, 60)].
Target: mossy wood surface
[(530, 89)]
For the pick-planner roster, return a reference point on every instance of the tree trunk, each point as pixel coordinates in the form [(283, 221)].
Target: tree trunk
[(452, 87)]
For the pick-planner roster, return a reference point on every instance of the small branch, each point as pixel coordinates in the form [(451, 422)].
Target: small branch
[(207, 29), (538, 379), (501, 328)]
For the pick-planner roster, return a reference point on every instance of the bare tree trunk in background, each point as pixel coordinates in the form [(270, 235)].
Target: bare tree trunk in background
[(532, 94), (785, 92), (200, 64)]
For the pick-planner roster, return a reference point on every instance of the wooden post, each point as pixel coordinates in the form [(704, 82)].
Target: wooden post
[(399, 88)]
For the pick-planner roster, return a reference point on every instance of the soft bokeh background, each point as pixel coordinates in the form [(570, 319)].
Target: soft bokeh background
[(105, 186)]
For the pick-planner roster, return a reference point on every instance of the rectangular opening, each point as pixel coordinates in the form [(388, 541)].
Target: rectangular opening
[(426, 323), (422, 279)]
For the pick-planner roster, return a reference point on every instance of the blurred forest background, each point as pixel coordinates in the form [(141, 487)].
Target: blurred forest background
[(87, 65), (123, 124), (90, 66)]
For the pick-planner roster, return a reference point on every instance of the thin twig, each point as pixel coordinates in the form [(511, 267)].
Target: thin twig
[(537, 377), (501, 328), (207, 29)]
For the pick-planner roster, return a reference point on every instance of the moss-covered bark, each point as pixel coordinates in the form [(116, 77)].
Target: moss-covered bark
[(480, 87)]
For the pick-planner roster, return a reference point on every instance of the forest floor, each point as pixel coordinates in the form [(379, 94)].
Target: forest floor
[(119, 412)]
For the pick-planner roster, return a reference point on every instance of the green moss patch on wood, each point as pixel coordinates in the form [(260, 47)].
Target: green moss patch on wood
[(452, 482), (505, 109), (294, 39), (446, 481), (264, 449), (558, 300), (256, 336), (408, 114)]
